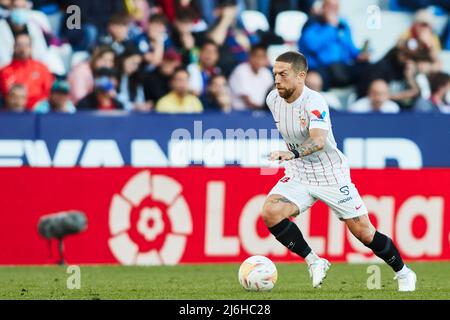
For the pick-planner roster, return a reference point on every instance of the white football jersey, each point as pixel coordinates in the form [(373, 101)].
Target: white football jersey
[(328, 166)]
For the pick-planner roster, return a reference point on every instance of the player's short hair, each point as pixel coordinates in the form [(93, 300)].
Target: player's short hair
[(296, 59)]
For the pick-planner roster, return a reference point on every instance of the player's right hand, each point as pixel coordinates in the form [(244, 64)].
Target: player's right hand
[(281, 156)]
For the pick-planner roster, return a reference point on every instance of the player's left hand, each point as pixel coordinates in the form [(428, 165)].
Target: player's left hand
[(281, 156)]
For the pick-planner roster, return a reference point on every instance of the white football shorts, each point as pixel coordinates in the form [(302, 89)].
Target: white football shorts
[(343, 198)]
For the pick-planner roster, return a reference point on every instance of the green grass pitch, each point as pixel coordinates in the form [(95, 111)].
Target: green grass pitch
[(209, 282)]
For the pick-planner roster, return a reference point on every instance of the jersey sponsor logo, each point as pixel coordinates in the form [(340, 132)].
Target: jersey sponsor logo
[(345, 190), (319, 115), (345, 200)]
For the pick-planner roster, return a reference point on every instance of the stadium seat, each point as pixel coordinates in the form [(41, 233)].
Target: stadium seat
[(343, 94), (254, 21), (445, 56), (289, 25), (440, 22), (393, 25), (274, 51)]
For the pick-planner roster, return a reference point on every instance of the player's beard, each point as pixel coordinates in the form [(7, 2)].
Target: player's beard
[(286, 93)]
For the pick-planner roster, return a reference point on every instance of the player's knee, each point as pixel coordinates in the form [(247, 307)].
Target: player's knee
[(274, 212), (365, 235)]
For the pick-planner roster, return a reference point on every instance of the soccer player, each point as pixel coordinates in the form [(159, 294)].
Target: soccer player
[(316, 170)]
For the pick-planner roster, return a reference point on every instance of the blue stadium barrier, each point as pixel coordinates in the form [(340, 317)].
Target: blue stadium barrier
[(416, 140)]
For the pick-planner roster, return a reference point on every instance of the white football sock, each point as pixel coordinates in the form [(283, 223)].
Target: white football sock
[(402, 272), (311, 258)]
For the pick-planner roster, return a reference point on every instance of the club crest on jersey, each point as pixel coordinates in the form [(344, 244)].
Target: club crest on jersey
[(319, 115), (303, 123)]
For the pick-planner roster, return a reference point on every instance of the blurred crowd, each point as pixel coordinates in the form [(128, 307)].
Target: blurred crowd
[(193, 56)]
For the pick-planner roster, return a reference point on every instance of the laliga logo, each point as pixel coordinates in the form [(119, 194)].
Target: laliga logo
[(149, 221)]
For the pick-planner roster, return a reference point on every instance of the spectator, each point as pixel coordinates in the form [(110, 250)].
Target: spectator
[(172, 7), (184, 40), (157, 82), (16, 98), (131, 89), (81, 78), (59, 100), (327, 43), (415, 55), (217, 96), (32, 74), (140, 12), (251, 81), (151, 43), (21, 21), (179, 100), (376, 101), (440, 88), (103, 98), (201, 72), (94, 19), (233, 41), (118, 34), (420, 43), (314, 81)]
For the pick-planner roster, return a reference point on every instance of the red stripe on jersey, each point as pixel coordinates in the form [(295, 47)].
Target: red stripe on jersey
[(286, 123), (332, 167), (306, 172), (293, 122), (324, 174), (342, 170), (312, 167)]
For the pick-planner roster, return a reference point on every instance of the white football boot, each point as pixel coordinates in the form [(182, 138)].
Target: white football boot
[(318, 271), (407, 281)]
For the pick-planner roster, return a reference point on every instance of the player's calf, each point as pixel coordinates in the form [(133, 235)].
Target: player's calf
[(380, 244), (276, 213), (384, 248)]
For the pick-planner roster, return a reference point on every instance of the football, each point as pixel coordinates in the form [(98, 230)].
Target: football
[(258, 273)]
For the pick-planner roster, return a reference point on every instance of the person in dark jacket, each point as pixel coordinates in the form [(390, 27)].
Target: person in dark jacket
[(104, 96)]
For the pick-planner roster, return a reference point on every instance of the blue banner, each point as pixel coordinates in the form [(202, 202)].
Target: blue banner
[(153, 140)]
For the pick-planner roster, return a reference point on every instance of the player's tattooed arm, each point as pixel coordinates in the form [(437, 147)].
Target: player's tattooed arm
[(308, 147), (315, 142)]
